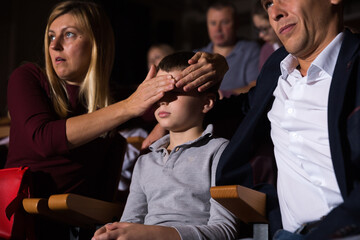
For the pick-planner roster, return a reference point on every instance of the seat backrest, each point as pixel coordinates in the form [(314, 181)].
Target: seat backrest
[(113, 171), (4, 127)]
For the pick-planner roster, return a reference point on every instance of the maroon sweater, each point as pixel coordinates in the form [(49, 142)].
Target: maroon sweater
[(38, 140)]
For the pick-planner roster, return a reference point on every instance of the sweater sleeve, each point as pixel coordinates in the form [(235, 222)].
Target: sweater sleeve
[(136, 204), (32, 115), (222, 224)]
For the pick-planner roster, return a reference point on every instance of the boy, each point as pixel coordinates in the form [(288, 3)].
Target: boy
[(169, 192)]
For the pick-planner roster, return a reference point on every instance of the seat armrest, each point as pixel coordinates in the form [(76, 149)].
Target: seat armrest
[(246, 204), (36, 205), (75, 209), (85, 210)]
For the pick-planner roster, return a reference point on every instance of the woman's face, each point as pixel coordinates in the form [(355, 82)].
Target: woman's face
[(266, 32), (70, 49)]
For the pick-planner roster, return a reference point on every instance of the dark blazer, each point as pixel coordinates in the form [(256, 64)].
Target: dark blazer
[(344, 136)]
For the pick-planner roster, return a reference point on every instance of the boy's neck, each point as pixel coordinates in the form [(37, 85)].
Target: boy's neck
[(178, 138)]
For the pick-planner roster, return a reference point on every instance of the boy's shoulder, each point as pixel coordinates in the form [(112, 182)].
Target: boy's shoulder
[(218, 139)]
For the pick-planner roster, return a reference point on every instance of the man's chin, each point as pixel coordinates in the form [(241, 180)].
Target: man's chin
[(223, 44)]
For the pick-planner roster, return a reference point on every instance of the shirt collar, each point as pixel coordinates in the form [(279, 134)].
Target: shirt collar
[(325, 61), (327, 58), (164, 141)]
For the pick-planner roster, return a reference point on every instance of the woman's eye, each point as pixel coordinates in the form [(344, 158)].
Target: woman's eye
[(69, 34), (52, 38)]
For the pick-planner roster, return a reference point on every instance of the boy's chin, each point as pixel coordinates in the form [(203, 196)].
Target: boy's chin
[(171, 128)]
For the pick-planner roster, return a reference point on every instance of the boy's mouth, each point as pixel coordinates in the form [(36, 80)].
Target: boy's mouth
[(163, 114)]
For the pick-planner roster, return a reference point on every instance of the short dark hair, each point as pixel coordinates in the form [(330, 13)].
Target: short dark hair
[(258, 9), (179, 61), (223, 4), (175, 61)]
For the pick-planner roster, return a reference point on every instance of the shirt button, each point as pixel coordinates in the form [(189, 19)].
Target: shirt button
[(290, 110)]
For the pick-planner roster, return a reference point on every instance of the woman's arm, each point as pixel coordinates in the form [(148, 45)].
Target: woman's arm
[(34, 119), (84, 128)]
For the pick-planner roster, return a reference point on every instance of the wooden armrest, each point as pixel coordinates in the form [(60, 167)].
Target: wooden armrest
[(4, 131), (246, 204), (84, 211), (36, 205), (4, 121), (75, 209), (135, 141)]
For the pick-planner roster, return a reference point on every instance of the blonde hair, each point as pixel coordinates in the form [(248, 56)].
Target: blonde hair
[(94, 90)]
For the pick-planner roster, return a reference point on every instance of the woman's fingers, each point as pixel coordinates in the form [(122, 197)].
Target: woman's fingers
[(206, 70), (148, 93), (151, 73)]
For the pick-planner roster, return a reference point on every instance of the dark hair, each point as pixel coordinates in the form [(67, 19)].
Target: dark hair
[(179, 61), (175, 61), (223, 4), (258, 9)]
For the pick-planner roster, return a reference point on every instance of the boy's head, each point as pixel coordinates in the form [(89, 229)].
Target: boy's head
[(178, 61), (178, 110)]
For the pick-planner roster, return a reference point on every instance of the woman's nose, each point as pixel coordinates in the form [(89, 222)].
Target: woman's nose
[(56, 44)]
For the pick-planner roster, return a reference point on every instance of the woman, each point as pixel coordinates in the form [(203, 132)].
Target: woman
[(61, 118), (266, 33), (63, 125)]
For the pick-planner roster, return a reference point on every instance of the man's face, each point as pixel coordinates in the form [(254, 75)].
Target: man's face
[(221, 26), (305, 27)]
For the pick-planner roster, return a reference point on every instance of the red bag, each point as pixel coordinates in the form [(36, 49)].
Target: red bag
[(14, 187)]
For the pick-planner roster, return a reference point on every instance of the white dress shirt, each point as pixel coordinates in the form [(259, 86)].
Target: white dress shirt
[(307, 186)]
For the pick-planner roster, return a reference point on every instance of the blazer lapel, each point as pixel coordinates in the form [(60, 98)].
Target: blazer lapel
[(337, 96)]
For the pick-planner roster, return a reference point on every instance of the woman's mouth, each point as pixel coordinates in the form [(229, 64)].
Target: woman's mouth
[(59, 59)]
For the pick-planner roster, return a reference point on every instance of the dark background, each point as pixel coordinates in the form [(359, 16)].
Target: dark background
[(137, 24)]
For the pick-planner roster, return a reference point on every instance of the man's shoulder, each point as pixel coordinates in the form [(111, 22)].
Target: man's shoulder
[(247, 44), (275, 58), (207, 48)]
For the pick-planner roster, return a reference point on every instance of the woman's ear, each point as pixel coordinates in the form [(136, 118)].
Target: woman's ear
[(209, 102)]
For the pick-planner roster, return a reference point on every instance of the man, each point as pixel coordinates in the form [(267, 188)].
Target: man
[(308, 100), (242, 56)]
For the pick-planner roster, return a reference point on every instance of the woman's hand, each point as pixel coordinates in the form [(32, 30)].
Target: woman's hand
[(84, 128), (149, 92), (206, 70), (155, 134), (125, 231)]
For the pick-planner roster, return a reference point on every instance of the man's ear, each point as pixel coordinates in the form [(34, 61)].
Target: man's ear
[(209, 102)]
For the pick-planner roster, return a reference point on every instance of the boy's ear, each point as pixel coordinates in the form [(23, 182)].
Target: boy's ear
[(210, 101)]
